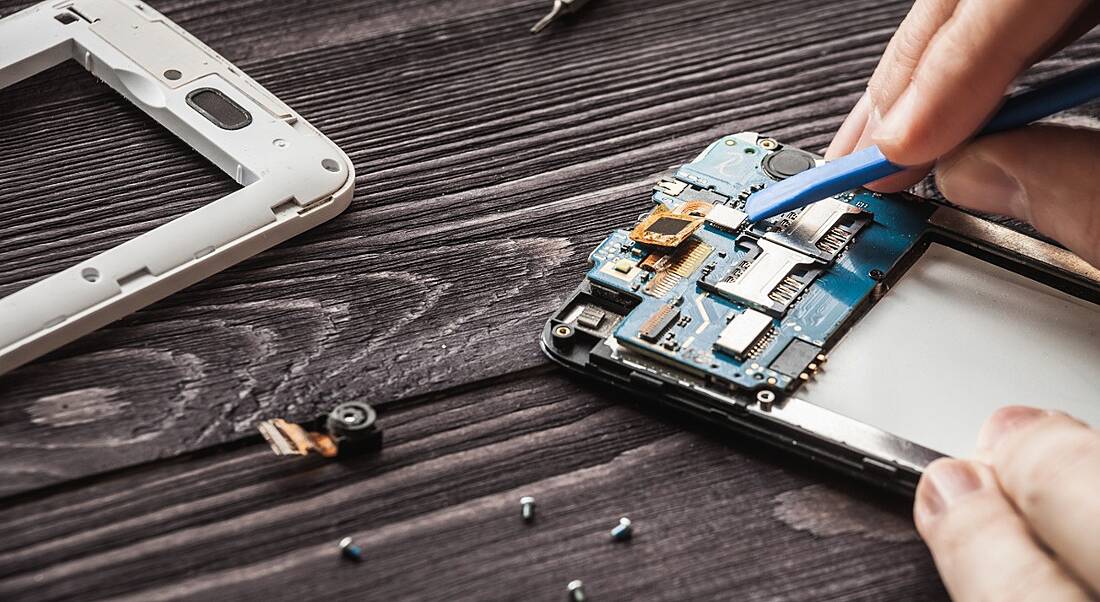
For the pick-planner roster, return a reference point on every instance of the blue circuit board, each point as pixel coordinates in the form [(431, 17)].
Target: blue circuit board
[(810, 272)]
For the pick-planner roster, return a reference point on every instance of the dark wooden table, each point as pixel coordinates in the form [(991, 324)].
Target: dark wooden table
[(490, 163)]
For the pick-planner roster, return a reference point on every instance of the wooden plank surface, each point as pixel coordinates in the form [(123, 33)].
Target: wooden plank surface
[(490, 162), (438, 515)]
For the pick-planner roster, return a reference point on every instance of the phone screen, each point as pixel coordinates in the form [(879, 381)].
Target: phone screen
[(955, 339)]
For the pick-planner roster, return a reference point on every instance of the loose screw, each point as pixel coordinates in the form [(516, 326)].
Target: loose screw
[(350, 550), (576, 591), (527, 508), (623, 531)]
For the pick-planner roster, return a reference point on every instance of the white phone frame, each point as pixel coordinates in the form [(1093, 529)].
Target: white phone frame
[(293, 177)]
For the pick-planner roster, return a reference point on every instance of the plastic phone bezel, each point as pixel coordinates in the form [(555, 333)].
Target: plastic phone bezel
[(293, 177)]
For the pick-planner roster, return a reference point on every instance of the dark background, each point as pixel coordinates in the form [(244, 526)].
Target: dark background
[(490, 162)]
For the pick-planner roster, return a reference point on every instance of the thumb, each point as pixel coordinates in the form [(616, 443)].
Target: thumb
[(1044, 174)]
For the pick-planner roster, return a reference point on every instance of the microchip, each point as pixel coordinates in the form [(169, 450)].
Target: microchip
[(668, 226), (667, 229), (658, 323), (795, 358)]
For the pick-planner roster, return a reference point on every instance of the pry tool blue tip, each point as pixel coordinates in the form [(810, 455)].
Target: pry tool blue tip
[(865, 166)]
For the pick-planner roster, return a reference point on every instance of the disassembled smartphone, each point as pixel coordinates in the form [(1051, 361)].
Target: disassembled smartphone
[(871, 333), (293, 177)]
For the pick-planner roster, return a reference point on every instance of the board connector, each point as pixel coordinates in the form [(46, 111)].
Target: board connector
[(348, 428)]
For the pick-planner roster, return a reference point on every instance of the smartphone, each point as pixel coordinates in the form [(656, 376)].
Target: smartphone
[(870, 333)]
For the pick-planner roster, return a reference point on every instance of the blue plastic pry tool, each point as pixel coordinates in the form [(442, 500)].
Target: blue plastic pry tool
[(867, 165)]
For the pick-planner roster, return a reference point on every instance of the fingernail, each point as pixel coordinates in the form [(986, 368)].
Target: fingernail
[(972, 180), (874, 121), (945, 482), (1003, 422), (848, 133), (898, 118)]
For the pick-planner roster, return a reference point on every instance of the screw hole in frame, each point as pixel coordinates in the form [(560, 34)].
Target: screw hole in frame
[(172, 74), (90, 274), (331, 165)]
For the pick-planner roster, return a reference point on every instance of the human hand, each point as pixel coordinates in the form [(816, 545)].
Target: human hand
[(943, 74), (1022, 522)]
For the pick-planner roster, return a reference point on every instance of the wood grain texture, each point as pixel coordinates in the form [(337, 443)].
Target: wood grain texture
[(484, 181), (490, 162), (438, 515)]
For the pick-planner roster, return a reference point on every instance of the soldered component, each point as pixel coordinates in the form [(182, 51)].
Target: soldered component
[(622, 269), (726, 218), (658, 323), (664, 228), (798, 359), (746, 328), (761, 344), (670, 186), (822, 229), (769, 276), (349, 427), (623, 266)]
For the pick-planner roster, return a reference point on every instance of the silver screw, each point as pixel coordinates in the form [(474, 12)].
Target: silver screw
[(576, 591), (350, 550), (623, 531), (527, 508)]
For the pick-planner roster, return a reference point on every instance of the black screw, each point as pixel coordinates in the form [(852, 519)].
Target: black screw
[(576, 591), (876, 274)]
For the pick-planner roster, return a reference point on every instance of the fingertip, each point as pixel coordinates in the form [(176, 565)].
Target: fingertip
[(898, 134), (1001, 423), (974, 178), (945, 482), (977, 537), (874, 119)]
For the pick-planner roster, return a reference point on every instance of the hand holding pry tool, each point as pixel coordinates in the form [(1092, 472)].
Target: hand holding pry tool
[(868, 165), (561, 8)]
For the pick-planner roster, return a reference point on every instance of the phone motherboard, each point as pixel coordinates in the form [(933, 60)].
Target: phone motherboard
[(696, 290)]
